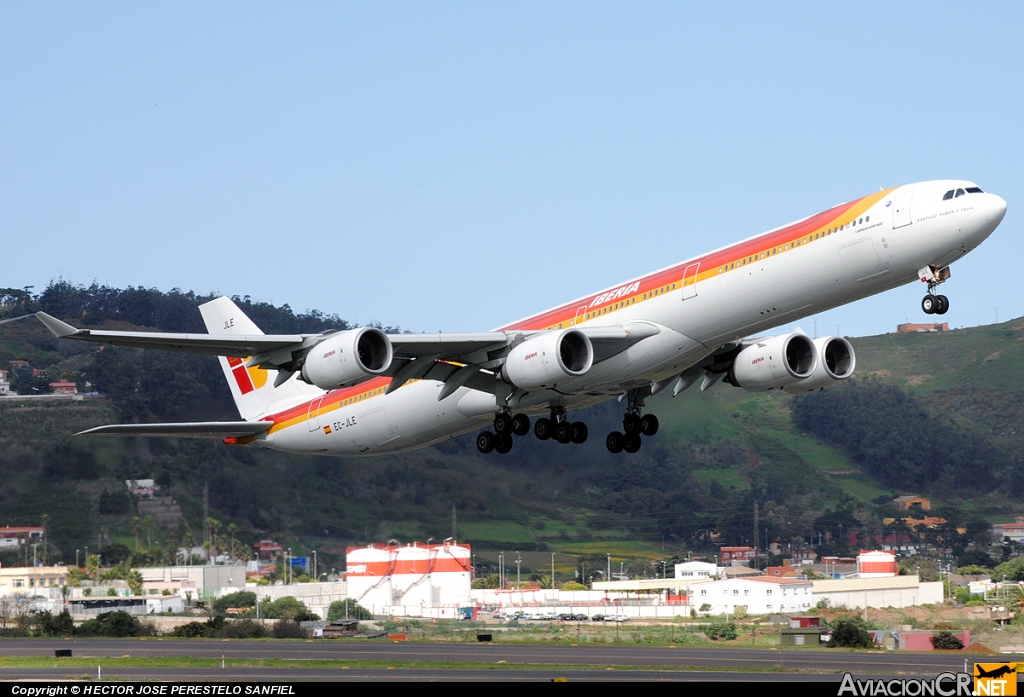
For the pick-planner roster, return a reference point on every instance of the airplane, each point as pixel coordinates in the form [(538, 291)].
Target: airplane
[(363, 392)]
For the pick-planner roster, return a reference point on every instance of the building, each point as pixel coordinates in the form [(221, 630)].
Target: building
[(1014, 531), (905, 503), (5, 385), (268, 549), (29, 579), (914, 328), (386, 578), (142, 488), (63, 387), (759, 595), (735, 556), (204, 581), (698, 571), (892, 591), (14, 536)]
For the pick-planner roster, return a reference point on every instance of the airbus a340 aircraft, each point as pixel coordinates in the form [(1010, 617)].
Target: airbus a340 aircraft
[(362, 391)]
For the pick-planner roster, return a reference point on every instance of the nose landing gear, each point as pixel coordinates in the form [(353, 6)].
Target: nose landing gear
[(933, 304)]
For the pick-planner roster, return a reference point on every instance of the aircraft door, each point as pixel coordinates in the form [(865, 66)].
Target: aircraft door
[(580, 314), (690, 281), (901, 209), (313, 415)]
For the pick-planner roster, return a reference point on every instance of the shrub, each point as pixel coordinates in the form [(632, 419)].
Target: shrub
[(113, 624), (946, 641), (721, 631), (192, 630), (850, 634), (286, 629), (55, 625), (244, 629)]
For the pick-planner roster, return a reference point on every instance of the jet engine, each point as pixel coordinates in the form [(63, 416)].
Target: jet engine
[(548, 359), (836, 361), (348, 358), (774, 363)]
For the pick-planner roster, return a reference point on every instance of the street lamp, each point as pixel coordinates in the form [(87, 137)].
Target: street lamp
[(518, 582)]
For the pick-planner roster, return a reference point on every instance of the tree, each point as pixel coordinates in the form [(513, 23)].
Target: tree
[(945, 641), (850, 633), (287, 608), (355, 611)]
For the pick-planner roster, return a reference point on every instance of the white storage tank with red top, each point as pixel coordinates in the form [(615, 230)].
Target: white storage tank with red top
[(876, 564)]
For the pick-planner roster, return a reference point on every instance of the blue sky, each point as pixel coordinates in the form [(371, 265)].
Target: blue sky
[(454, 166)]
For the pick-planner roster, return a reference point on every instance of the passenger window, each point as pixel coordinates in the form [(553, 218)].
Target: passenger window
[(867, 218), (860, 221), (959, 193), (948, 195)]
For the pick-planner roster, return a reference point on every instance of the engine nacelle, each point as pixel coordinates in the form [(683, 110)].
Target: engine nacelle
[(836, 361), (774, 363), (348, 358), (549, 359)]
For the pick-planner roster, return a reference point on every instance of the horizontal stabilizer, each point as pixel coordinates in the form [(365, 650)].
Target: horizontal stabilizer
[(199, 429)]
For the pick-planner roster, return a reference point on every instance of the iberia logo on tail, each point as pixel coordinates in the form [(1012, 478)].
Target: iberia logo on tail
[(247, 379)]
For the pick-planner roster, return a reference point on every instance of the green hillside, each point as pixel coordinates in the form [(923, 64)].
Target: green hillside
[(696, 482)]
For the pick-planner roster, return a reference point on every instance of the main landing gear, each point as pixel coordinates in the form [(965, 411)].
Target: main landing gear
[(634, 426), (556, 427), (505, 426), (933, 304)]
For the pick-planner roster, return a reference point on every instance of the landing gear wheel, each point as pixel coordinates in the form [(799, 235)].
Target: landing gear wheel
[(930, 304), (520, 424), (943, 305), (579, 433), (649, 424), (564, 432), (543, 429), (503, 444), (615, 442), (631, 424), (485, 442), (503, 425), (632, 443)]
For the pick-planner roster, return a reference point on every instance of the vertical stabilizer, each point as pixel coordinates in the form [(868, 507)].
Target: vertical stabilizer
[(252, 388)]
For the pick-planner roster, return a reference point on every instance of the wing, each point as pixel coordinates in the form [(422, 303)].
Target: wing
[(239, 346), (198, 429), (460, 359)]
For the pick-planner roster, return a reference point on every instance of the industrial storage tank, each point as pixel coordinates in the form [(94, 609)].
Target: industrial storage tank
[(876, 564), (416, 575), (368, 572)]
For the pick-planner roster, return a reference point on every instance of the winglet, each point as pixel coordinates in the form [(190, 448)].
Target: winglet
[(59, 329)]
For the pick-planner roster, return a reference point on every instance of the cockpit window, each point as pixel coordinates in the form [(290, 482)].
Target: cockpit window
[(959, 192), (974, 190), (948, 195)]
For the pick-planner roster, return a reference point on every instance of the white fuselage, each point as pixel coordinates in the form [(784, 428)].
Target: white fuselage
[(841, 255)]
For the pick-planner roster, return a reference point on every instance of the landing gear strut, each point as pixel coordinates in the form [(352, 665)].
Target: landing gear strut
[(633, 426), (933, 304)]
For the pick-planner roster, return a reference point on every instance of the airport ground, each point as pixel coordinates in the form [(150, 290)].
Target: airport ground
[(160, 659)]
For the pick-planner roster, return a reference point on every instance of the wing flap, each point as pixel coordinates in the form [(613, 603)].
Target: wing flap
[(197, 429)]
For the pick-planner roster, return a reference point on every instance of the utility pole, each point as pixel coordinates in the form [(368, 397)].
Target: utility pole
[(757, 527), (455, 523)]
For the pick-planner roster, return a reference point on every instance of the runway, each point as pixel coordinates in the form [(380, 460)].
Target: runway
[(356, 660)]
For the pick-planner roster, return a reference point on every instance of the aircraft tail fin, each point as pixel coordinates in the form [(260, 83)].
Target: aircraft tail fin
[(254, 389)]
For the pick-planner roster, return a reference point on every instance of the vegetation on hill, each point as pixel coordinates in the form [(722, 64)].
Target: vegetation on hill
[(821, 467)]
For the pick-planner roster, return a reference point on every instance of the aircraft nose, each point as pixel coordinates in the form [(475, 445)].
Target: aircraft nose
[(998, 206)]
